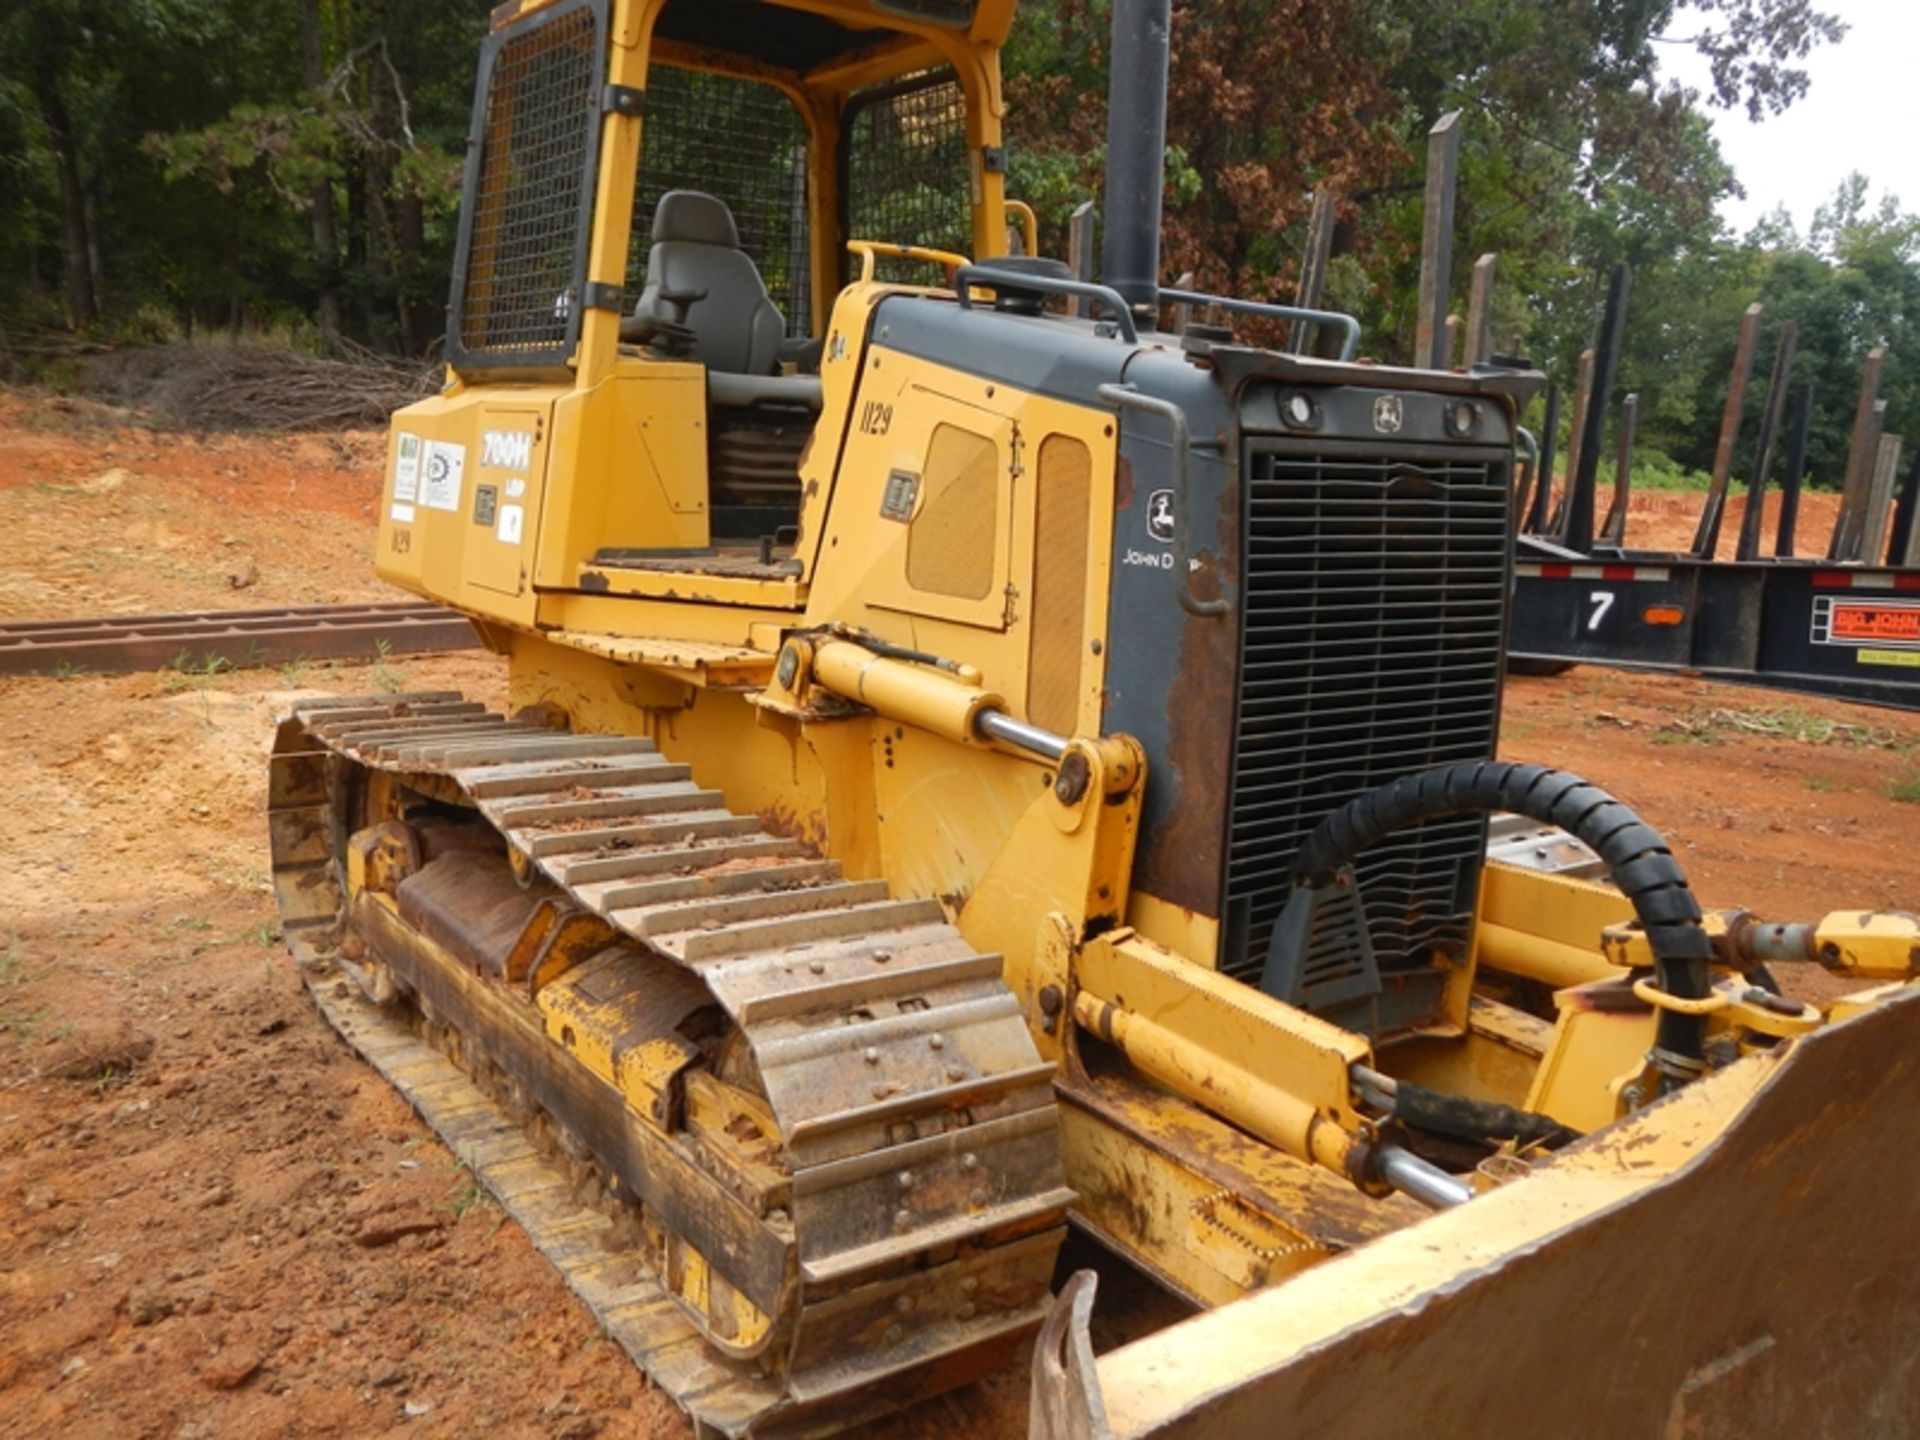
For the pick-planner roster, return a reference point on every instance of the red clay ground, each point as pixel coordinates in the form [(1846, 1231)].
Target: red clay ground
[(214, 1221)]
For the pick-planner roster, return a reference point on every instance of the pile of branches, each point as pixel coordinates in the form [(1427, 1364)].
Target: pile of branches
[(259, 387)]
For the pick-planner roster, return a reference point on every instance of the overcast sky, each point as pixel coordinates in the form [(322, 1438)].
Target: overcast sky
[(1861, 112)]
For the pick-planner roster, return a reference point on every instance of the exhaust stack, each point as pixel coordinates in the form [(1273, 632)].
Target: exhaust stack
[(1136, 153)]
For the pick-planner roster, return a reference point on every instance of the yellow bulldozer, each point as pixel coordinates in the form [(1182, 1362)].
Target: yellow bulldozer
[(979, 763)]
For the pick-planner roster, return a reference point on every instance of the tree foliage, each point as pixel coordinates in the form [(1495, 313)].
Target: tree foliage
[(181, 165)]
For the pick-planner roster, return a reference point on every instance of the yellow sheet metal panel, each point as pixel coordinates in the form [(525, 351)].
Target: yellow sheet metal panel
[(460, 509), (953, 540), (1565, 914), (1276, 1071), (864, 570), (1601, 1035), (629, 468), (1188, 934), (1870, 944), (1586, 1278), (1495, 1060), (1210, 1212), (1057, 641)]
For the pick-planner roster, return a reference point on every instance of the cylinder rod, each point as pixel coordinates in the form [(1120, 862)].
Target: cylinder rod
[(998, 725), (1414, 1177)]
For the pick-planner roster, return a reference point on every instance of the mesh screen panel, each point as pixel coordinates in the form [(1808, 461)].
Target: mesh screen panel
[(528, 210), (741, 142), (906, 179), (951, 542), (1374, 596), (1063, 481)]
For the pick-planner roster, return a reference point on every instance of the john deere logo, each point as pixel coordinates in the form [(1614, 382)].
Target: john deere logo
[(1386, 414), (1160, 516)]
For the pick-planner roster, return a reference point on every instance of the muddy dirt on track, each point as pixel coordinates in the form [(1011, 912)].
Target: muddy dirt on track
[(215, 1221)]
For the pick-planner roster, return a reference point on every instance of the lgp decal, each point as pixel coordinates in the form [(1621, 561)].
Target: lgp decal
[(1160, 516)]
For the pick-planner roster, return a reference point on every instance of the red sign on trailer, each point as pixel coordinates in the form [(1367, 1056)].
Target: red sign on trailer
[(1866, 622)]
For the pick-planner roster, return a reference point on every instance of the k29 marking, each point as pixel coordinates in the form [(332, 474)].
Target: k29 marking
[(876, 418)]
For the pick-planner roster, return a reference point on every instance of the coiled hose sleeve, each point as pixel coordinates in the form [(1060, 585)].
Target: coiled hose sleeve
[(1636, 856)]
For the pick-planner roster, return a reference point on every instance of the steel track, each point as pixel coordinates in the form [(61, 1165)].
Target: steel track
[(914, 1238), (216, 639)]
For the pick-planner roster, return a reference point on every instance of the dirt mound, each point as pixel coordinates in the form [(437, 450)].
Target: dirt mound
[(106, 517), (1667, 520)]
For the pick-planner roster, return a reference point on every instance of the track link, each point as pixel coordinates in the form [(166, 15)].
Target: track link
[(895, 1238)]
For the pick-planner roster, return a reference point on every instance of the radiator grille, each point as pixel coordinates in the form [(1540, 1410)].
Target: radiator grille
[(1373, 597), (517, 296)]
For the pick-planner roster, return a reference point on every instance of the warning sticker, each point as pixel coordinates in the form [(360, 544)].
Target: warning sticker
[(406, 468), (402, 513), (442, 464), (512, 518), (1908, 658)]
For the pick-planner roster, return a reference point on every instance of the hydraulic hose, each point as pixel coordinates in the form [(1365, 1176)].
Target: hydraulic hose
[(1636, 856)]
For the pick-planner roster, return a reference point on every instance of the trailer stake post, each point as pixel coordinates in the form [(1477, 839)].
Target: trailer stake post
[(1706, 538), (1480, 313), (1536, 515), (1783, 537), (1606, 360), (1862, 451), (1313, 270), (1614, 531), (1436, 244), (1751, 522)]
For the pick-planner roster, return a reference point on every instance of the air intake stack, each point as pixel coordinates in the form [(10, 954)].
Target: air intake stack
[(1136, 152)]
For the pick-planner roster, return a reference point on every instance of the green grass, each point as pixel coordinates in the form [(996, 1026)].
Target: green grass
[(1906, 791), (1654, 471), (1798, 726), (1825, 784), (388, 677), (472, 1195), (23, 1024), (183, 672)]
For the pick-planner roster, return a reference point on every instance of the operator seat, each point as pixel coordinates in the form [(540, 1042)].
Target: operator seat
[(738, 332)]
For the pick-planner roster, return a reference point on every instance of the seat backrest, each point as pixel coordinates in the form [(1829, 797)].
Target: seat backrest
[(737, 328)]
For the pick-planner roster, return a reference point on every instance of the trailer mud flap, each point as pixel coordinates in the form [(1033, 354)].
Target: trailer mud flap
[(1735, 1261)]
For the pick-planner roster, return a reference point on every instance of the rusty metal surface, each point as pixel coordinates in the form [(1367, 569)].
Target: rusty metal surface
[(206, 639), (470, 903), (537, 1192), (926, 1193), (1065, 1399), (1734, 1262)]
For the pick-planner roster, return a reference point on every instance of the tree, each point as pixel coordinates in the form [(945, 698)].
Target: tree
[(1852, 283)]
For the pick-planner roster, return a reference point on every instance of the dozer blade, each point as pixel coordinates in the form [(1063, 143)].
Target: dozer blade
[(787, 1137), (1736, 1261)]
